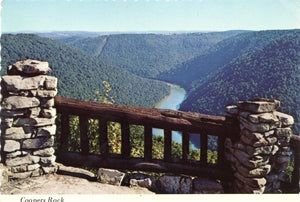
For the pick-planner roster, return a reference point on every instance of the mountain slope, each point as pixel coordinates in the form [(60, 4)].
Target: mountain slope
[(148, 55), (198, 70), (79, 73), (271, 72)]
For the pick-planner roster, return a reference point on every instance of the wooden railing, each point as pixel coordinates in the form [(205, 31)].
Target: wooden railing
[(168, 120)]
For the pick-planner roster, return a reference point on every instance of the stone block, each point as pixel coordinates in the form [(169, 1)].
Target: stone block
[(146, 183), (37, 172), (260, 127), (109, 176), (142, 180), (249, 161), (29, 159), (252, 135), (50, 82), (76, 172), (232, 110), (16, 133), (33, 167), (34, 122), (6, 123), (256, 106), (34, 112), (29, 67), (254, 173), (11, 146), (283, 132), (21, 175), (174, 184), (46, 131), (38, 143), (252, 182), (263, 118), (4, 173), (275, 149), (254, 143), (48, 113), (46, 93), (47, 161), (13, 154), (13, 113), (259, 150), (18, 83), (285, 119), (47, 102), (18, 169), (44, 152), (271, 140), (48, 170), (206, 186), (19, 102)]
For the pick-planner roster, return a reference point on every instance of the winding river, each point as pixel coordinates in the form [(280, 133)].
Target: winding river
[(172, 101)]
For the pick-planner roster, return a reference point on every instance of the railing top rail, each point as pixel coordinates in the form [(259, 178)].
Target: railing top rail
[(159, 118)]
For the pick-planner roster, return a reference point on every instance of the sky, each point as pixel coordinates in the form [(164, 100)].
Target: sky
[(148, 15)]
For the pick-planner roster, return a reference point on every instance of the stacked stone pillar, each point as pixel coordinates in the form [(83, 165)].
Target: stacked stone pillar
[(260, 156), (28, 119)]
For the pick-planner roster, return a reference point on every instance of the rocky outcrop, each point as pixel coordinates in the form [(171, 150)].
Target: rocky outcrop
[(28, 119)]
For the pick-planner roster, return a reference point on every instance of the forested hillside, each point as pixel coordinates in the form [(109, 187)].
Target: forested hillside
[(148, 55), (80, 73), (193, 73), (269, 69)]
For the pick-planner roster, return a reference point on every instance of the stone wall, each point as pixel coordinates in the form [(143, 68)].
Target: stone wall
[(28, 119), (260, 156)]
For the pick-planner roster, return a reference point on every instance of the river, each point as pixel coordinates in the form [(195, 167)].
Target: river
[(172, 101)]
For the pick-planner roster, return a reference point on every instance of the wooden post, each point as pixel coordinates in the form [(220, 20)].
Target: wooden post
[(84, 142), (65, 132), (203, 146), (221, 151), (185, 146), (167, 144), (125, 132), (148, 143)]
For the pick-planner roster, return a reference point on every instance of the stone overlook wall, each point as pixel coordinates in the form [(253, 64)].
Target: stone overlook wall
[(28, 119), (258, 159)]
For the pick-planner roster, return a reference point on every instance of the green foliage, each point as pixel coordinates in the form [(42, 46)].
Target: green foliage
[(79, 73), (266, 65), (289, 170), (148, 55)]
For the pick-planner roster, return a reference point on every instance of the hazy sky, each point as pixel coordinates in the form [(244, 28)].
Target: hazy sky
[(148, 15)]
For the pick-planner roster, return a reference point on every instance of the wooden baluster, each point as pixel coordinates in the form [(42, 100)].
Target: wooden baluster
[(84, 143), (148, 143), (104, 149), (125, 132), (65, 132), (185, 146), (221, 153), (168, 144), (203, 151)]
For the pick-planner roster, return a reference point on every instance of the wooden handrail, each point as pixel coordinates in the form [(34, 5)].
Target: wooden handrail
[(157, 118), (169, 120)]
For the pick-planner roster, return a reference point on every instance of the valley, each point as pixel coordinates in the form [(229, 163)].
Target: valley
[(214, 68)]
